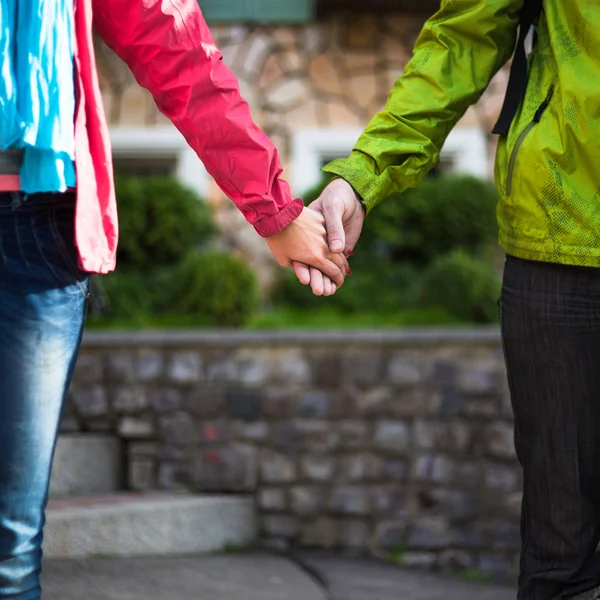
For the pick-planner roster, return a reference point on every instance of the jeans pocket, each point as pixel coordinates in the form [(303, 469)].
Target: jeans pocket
[(62, 227)]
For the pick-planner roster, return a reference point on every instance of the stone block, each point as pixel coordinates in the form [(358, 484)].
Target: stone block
[(445, 373), (500, 440), (451, 402), (480, 378), (354, 535), (318, 436), (279, 402), (292, 367), (272, 499), (136, 428), (327, 370), (410, 403), (244, 404), (167, 525), (433, 469), (395, 469), (365, 368), (497, 566), (392, 437), (455, 560), (141, 475), (459, 437), (418, 560), (360, 467), (306, 500), (390, 535), (149, 366), (255, 431), (313, 404), (224, 370), (482, 408), (211, 433), (322, 533), (468, 537), (177, 429), (350, 500), (375, 402), (86, 464), (430, 533), (404, 372), (428, 435), (89, 368), (120, 367), (226, 469), (503, 536), (353, 434), (501, 477), (277, 468), (165, 400), (318, 467), (280, 526), (185, 367), (129, 399), (89, 401), (172, 476), (206, 401)]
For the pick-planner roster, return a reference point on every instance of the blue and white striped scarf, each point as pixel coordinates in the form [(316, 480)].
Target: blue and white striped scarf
[(37, 90)]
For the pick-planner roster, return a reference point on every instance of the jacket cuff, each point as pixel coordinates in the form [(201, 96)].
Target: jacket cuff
[(371, 188), (276, 223)]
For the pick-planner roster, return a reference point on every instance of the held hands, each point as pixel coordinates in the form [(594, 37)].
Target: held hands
[(304, 241), (344, 215)]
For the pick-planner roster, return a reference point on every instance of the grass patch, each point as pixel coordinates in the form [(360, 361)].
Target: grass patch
[(286, 318), (474, 576), (396, 554)]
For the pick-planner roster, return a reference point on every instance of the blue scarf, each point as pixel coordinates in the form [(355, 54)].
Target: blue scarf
[(37, 90)]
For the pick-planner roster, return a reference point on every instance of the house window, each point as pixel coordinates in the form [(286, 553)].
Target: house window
[(258, 11), (147, 151), (465, 151)]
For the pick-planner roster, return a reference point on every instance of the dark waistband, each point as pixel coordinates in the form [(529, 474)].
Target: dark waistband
[(10, 162), (20, 202)]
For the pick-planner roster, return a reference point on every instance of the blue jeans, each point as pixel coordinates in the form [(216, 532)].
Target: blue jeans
[(43, 301)]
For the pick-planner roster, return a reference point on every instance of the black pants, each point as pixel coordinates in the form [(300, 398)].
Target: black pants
[(550, 318)]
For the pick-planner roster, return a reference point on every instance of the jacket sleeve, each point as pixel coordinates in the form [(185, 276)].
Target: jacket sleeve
[(458, 52), (171, 52)]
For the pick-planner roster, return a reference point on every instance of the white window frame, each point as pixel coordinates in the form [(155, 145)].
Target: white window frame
[(465, 148), (162, 142)]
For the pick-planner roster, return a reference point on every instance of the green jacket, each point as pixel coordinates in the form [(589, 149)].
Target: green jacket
[(547, 167)]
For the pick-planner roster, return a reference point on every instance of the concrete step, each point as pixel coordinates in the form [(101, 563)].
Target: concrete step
[(86, 464), (147, 524)]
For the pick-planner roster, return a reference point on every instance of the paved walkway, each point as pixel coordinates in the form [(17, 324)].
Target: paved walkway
[(250, 577)]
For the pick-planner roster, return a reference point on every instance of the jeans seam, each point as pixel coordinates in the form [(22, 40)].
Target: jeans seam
[(64, 252)]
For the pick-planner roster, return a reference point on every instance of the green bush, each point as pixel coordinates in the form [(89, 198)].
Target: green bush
[(466, 287), (443, 213), (383, 287), (160, 221), (214, 285)]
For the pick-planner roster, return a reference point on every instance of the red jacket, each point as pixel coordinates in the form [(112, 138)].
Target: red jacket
[(171, 52)]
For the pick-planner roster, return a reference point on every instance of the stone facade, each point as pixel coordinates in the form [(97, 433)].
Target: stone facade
[(399, 445)]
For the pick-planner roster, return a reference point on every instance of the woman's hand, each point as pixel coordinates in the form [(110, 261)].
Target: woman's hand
[(305, 241)]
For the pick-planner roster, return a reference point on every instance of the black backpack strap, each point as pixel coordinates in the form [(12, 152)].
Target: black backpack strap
[(518, 71)]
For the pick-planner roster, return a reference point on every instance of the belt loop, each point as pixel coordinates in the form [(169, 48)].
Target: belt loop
[(17, 200)]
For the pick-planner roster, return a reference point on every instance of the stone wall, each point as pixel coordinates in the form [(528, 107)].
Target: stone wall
[(396, 444)]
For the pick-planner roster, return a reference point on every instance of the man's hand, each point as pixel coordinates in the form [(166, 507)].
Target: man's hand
[(344, 216), (305, 241)]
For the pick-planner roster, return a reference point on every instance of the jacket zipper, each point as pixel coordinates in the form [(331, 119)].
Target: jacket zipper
[(513, 157)]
